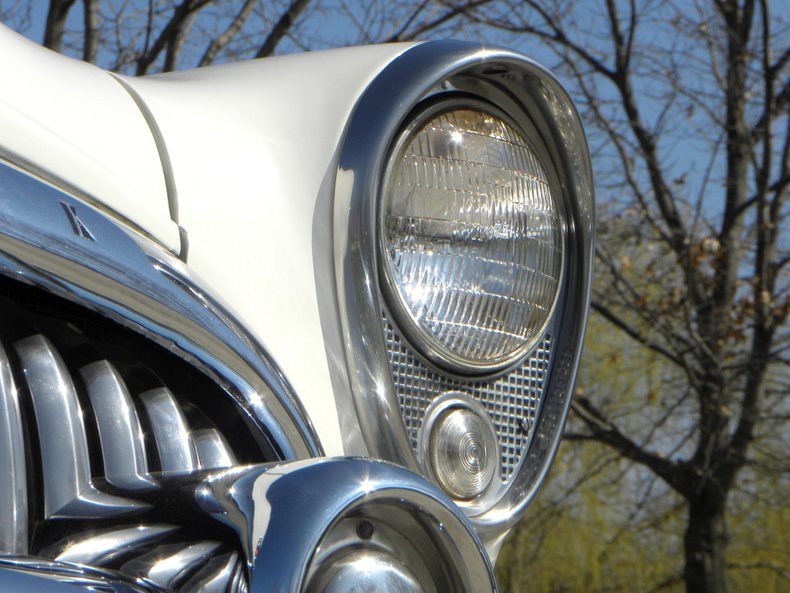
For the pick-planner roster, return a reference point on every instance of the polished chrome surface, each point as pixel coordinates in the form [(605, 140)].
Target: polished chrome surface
[(19, 574), (64, 447), (526, 92), (13, 483), (99, 549), (169, 565), (123, 450), (371, 572), (221, 574), (74, 414), (171, 431), (132, 281), (291, 519), (212, 449), (285, 526)]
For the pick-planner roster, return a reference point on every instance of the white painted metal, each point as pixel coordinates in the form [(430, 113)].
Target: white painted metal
[(77, 126), (252, 148)]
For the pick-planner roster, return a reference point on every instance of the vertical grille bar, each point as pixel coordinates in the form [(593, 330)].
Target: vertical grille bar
[(13, 484), (125, 463), (170, 565), (171, 431), (64, 447), (212, 449), (219, 575)]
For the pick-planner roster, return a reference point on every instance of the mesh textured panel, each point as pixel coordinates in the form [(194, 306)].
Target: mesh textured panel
[(512, 400)]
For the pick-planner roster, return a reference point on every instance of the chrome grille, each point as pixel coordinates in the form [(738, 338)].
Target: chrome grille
[(512, 400), (94, 419)]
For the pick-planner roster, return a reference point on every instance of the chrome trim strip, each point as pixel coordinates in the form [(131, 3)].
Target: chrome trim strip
[(64, 447), (161, 148), (13, 485), (123, 450), (212, 449), (99, 549), (518, 86), (47, 178), (20, 574), (171, 431), (134, 282)]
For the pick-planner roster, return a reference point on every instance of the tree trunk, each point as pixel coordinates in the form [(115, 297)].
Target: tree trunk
[(705, 545), (56, 23)]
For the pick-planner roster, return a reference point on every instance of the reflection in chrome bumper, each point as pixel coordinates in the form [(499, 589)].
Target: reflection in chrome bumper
[(312, 525), (297, 522), (19, 574)]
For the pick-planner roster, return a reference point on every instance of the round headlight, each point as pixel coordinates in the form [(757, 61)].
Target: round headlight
[(471, 237)]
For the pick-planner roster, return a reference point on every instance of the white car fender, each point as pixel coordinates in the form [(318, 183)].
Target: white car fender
[(252, 148)]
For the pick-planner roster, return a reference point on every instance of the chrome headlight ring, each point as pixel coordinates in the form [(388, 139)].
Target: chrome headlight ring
[(535, 102)]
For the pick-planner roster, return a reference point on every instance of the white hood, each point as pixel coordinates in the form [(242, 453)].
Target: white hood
[(77, 127)]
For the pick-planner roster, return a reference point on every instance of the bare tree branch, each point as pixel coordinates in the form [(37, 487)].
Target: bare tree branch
[(410, 17), (176, 43), (171, 31), (675, 474), (221, 41), (454, 11), (636, 334), (281, 27)]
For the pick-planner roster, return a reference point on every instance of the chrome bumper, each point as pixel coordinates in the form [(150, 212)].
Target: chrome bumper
[(315, 525)]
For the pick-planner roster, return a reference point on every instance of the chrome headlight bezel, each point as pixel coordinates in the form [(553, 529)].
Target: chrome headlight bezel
[(414, 331), (521, 89)]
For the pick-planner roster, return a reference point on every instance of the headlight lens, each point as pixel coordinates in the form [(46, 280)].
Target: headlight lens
[(471, 238)]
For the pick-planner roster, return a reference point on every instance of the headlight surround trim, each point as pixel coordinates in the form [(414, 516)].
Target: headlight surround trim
[(516, 85)]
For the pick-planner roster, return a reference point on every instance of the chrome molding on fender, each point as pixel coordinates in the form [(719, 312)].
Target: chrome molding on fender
[(522, 89)]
